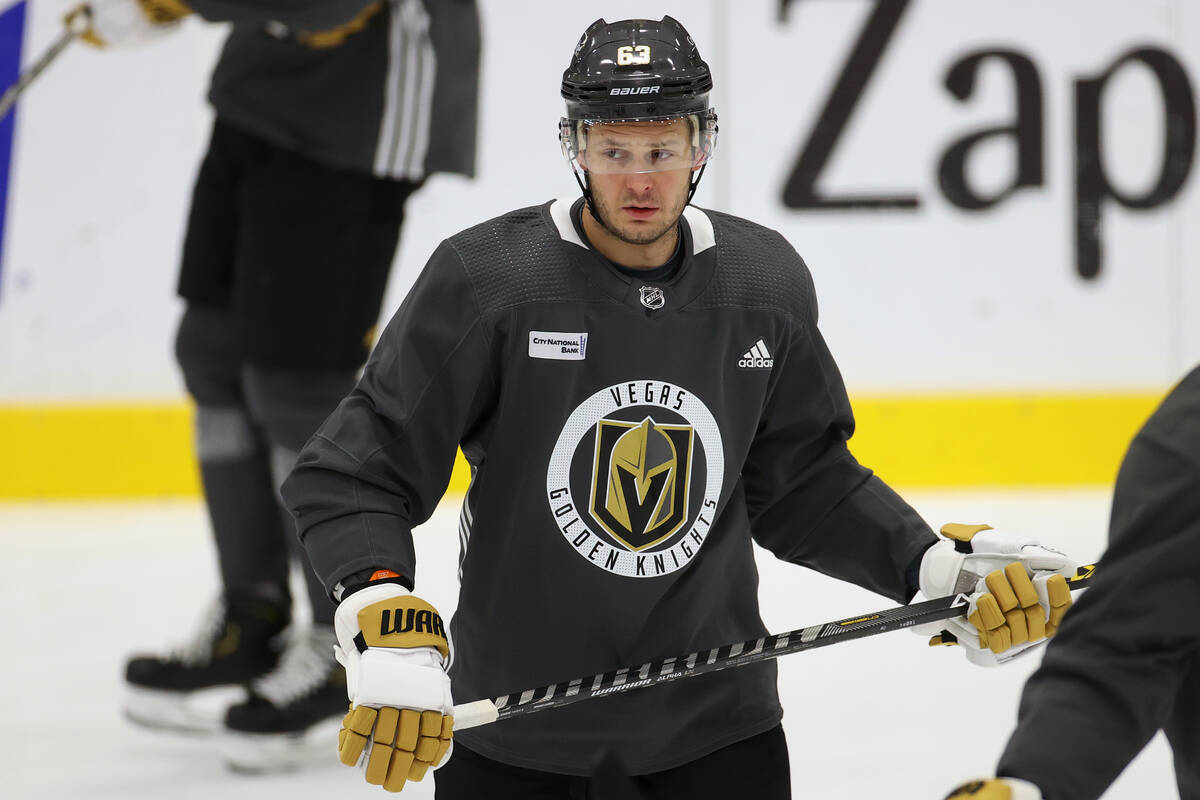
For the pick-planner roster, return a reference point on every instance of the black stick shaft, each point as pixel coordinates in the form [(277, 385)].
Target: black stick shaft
[(9, 99), (740, 654)]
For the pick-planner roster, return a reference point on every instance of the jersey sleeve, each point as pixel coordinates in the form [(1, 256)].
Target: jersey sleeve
[(1126, 661), (382, 460), (811, 502), (309, 15)]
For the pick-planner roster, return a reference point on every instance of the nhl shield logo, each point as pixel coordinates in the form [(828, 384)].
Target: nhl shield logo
[(653, 297), (641, 480)]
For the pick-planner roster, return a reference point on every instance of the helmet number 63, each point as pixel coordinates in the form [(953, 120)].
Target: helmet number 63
[(633, 55)]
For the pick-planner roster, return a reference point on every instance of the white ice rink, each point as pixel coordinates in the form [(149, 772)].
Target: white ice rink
[(83, 585)]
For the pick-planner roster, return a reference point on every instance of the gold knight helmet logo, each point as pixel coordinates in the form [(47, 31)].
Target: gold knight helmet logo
[(640, 480)]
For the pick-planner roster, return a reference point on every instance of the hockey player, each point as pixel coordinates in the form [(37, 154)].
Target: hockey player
[(641, 390), (1127, 662), (329, 114)]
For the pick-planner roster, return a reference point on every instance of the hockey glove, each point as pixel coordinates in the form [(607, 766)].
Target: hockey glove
[(395, 651), (119, 22), (1017, 595), (996, 789)]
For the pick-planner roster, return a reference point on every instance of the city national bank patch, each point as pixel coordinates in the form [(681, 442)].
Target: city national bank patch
[(635, 478), (558, 346)]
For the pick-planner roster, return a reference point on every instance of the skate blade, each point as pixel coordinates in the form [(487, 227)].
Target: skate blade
[(196, 713), (266, 753)]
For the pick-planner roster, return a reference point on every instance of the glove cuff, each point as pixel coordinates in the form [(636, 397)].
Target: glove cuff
[(941, 567)]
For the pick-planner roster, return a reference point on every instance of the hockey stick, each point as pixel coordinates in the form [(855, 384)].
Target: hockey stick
[(483, 712), (78, 22)]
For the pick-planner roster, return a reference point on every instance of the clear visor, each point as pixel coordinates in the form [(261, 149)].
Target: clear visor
[(627, 147)]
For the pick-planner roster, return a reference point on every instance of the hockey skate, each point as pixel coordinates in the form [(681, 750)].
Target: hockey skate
[(189, 689), (292, 714)]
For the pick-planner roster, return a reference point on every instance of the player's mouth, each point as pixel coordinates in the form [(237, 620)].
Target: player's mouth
[(640, 212)]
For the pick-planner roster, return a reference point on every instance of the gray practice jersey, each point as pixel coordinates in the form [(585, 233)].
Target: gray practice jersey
[(396, 99), (628, 441)]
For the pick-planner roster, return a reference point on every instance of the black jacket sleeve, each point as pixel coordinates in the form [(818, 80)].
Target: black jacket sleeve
[(308, 15), (380, 463), (1126, 661), (810, 501)]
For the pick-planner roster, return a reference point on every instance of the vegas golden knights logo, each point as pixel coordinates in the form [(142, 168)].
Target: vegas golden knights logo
[(640, 480)]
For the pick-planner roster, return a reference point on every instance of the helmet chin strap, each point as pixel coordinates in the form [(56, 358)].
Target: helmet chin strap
[(590, 205)]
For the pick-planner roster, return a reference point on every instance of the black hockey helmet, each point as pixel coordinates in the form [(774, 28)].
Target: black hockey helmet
[(637, 70)]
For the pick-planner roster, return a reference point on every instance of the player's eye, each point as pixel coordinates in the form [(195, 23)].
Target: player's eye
[(613, 154)]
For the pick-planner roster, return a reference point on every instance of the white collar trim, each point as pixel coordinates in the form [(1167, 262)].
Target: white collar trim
[(560, 212), (702, 229)]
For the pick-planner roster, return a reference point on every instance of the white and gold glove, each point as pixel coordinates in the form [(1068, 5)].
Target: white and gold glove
[(120, 22), (996, 789), (1017, 589), (395, 650)]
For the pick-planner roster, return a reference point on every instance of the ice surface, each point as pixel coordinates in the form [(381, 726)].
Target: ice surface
[(84, 585)]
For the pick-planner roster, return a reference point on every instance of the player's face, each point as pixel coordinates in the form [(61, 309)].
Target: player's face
[(639, 173)]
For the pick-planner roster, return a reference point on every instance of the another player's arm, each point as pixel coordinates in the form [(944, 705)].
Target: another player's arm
[(311, 15), (1114, 674), (314, 23)]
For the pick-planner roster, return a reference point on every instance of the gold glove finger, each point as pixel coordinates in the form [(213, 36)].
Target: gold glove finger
[(997, 635), (1016, 625), (350, 746), (1021, 583), (989, 612), (427, 747), (1059, 595), (410, 729), (443, 748), (418, 769), (385, 726), (1035, 618), (998, 585), (444, 740), (361, 719), (398, 770), (975, 620), (981, 790), (377, 764), (431, 723)]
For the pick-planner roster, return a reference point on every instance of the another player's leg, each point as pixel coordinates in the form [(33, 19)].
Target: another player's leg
[(187, 688), (312, 268), (293, 712), (240, 638)]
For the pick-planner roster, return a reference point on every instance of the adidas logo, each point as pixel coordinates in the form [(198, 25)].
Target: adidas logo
[(757, 357)]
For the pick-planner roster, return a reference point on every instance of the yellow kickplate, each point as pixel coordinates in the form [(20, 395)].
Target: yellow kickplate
[(144, 450)]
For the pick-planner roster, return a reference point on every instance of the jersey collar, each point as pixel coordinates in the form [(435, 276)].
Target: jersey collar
[(699, 260)]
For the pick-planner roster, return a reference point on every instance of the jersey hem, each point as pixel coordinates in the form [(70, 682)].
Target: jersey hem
[(505, 756)]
